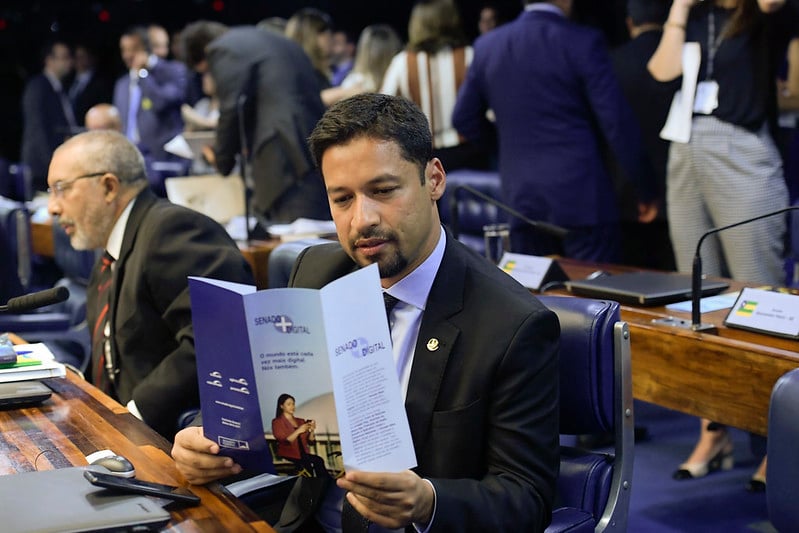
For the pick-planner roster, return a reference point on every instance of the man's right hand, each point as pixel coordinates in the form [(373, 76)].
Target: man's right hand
[(198, 459)]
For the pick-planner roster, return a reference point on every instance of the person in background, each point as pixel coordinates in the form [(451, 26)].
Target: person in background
[(558, 105), (89, 87), (342, 56), (489, 19), (286, 185), (645, 245), (149, 95), (47, 115), (159, 40), (138, 307), (481, 394), (377, 46), (430, 71), (103, 117), (730, 169), (312, 29)]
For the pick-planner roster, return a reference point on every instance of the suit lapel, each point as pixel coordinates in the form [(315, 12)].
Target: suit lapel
[(437, 335)]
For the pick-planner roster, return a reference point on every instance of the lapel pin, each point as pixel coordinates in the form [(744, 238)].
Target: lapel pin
[(432, 344)]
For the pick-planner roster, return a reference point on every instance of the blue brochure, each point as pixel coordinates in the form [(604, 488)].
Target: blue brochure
[(330, 349)]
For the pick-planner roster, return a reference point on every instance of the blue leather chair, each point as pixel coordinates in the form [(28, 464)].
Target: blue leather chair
[(782, 470), (16, 181), (281, 260), (593, 489), (15, 223), (465, 214)]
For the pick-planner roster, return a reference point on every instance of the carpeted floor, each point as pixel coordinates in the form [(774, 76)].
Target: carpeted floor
[(718, 502)]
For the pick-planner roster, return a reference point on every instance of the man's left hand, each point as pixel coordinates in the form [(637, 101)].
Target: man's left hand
[(647, 212), (391, 500)]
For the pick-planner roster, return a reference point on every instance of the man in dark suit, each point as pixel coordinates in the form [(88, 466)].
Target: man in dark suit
[(89, 86), (274, 79), (47, 114), (149, 95), (480, 390), (645, 245), (138, 299), (551, 87)]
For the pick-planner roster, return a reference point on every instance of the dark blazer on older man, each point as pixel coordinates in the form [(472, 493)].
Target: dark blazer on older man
[(551, 86), (482, 401), (152, 335)]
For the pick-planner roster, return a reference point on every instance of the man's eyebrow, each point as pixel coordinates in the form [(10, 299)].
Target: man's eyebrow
[(377, 180)]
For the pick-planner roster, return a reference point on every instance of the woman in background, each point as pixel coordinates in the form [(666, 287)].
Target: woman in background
[(730, 170), (430, 71), (312, 29)]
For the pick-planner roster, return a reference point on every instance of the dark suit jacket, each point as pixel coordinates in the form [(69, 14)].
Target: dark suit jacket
[(98, 90), (556, 101), (44, 127), (483, 407), (153, 339), (163, 91), (282, 109), (650, 101)]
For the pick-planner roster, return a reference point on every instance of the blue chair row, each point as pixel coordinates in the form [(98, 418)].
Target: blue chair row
[(464, 213), (782, 470), (16, 181)]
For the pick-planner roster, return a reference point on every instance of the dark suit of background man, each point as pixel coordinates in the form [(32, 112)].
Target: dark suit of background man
[(645, 245), (149, 95), (47, 114), (481, 391), (143, 345), (556, 101), (282, 107), (89, 87)]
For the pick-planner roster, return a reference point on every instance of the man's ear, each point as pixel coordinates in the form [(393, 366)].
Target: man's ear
[(111, 186), (435, 178)]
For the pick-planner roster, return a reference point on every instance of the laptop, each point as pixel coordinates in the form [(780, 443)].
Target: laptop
[(64, 501), (643, 288), (21, 393)]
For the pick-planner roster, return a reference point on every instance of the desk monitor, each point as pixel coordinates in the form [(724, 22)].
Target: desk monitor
[(643, 288), (63, 501)]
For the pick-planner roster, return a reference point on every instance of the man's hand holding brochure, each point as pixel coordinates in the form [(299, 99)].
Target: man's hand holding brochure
[(329, 349)]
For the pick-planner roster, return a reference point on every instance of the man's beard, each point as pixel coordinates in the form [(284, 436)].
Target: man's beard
[(388, 265)]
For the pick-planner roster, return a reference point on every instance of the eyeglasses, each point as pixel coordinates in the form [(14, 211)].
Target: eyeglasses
[(60, 187)]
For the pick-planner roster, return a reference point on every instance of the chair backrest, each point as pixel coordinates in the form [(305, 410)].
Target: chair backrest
[(15, 223), (465, 214), (281, 260), (593, 489), (782, 470)]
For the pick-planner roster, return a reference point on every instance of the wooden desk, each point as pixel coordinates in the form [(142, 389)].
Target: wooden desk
[(79, 420), (257, 254), (726, 376), (42, 238)]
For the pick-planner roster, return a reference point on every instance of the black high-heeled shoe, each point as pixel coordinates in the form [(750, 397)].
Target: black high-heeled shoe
[(756, 484), (722, 459)]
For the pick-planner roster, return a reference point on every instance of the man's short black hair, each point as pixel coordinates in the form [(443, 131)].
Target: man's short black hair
[(648, 11), (375, 116), (196, 37)]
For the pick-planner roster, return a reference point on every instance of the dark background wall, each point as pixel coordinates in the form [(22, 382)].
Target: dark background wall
[(26, 24)]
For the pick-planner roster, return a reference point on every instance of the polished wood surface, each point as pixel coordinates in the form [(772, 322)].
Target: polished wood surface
[(725, 375), (257, 255), (79, 420), (42, 238)]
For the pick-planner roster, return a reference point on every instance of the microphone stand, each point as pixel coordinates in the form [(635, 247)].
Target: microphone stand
[(241, 102), (696, 271), (544, 227)]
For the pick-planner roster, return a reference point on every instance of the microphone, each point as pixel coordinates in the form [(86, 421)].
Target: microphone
[(544, 227), (696, 272), (35, 300)]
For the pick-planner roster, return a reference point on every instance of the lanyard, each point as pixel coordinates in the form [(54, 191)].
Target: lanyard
[(712, 42)]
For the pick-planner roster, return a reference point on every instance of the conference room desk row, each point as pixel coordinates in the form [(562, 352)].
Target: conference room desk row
[(79, 419), (725, 375)]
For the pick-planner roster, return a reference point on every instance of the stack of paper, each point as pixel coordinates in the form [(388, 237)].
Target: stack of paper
[(34, 361)]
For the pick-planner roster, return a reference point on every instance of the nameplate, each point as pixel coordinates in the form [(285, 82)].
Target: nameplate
[(771, 312), (532, 271)]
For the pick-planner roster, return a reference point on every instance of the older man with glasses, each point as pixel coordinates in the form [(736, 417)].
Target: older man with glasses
[(138, 299)]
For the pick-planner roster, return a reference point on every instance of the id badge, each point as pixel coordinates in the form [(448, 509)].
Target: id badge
[(707, 97)]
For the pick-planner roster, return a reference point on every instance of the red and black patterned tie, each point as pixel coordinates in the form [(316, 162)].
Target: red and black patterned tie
[(99, 337)]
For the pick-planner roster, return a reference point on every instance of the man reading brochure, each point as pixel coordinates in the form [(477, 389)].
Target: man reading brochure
[(476, 352)]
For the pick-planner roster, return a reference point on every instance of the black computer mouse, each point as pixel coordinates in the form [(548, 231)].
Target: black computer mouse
[(117, 465)]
